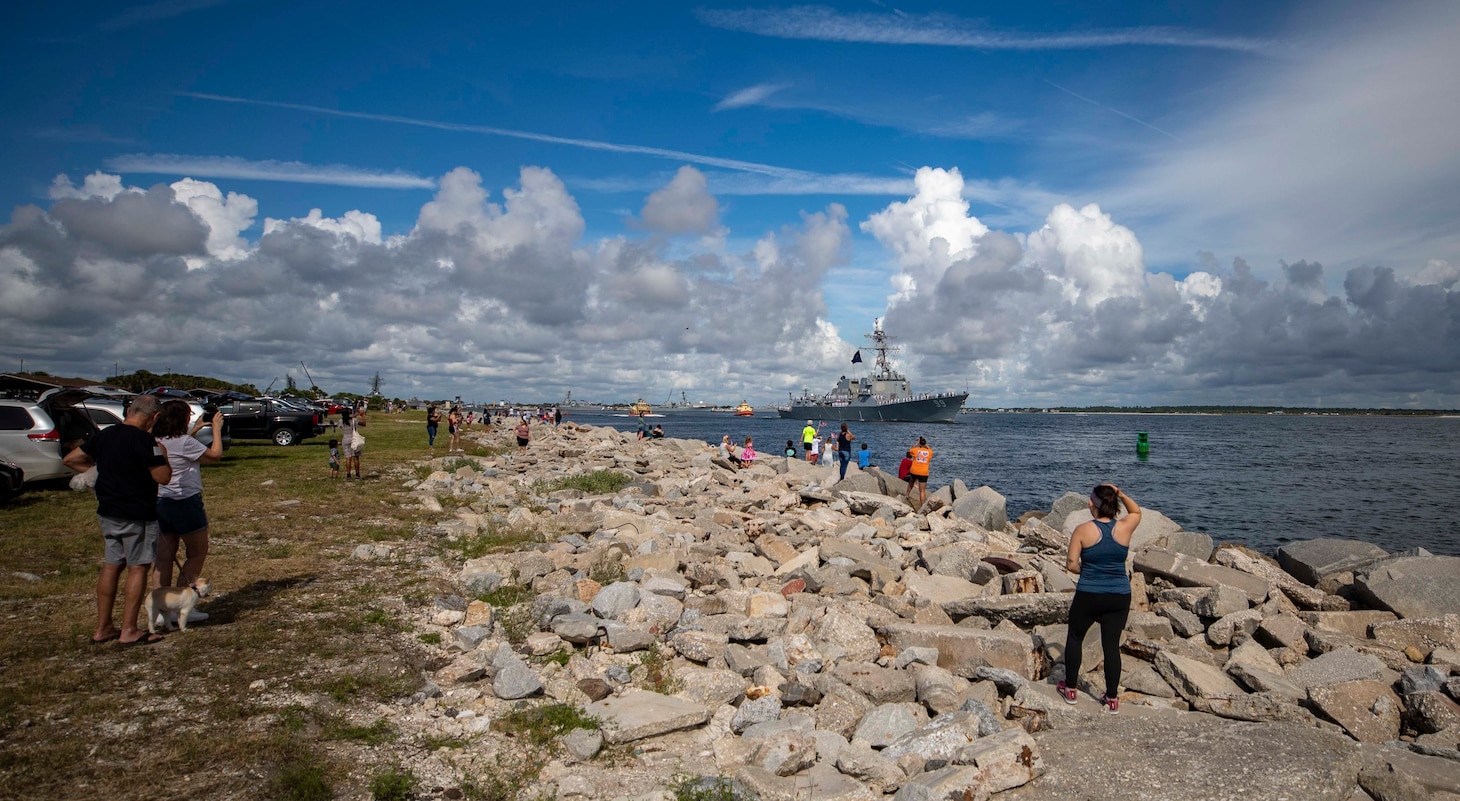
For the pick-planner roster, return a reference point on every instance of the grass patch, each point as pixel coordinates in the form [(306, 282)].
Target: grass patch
[(708, 788), (496, 539), (516, 622), (655, 672), (303, 780), (508, 778), (282, 589), (378, 733), (393, 784), (543, 725), (430, 638), (606, 570), (507, 595), (599, 482)]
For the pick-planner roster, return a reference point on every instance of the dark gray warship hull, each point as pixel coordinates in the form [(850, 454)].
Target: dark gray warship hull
[(932, 409)]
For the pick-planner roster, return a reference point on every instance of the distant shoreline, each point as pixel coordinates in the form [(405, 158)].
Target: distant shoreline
[(1223, 410)]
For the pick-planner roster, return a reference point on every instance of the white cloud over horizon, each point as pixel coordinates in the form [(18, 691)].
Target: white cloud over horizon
[(267, 170), (507, 298)]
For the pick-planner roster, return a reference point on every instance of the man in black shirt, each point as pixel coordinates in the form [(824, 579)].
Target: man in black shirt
[(130, 464)]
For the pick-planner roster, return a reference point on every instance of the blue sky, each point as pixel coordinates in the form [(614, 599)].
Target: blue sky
[(1197, 148)]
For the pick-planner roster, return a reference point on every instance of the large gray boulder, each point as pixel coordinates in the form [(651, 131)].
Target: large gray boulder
[(1310, 560), (984, 507), (1062, 508), (1413, 586)]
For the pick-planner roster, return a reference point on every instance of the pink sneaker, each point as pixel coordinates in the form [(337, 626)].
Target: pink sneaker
[(1112, 705), (1066, 693)]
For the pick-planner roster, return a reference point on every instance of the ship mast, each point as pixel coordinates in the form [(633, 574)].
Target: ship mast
[(881, 344)]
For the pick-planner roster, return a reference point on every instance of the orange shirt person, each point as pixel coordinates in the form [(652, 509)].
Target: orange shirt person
[(922, 458)]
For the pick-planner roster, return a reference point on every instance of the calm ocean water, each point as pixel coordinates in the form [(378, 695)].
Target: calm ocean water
[(1262, 480)]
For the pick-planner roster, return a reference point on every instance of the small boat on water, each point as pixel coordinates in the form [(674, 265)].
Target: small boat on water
[(640, 408), (744, 410), (883, 396)]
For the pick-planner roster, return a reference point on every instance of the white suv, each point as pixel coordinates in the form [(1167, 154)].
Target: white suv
[(35, 434)]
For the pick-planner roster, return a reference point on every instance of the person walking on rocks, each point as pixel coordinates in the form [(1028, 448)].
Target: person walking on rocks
[(453, 430), (917, 474), (130, 465), (1097, 552), (844, 448), (524, 434)]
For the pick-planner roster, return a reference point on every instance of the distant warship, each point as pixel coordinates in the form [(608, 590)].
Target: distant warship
[(883, 396)]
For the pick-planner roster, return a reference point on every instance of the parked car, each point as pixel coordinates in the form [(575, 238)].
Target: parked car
[(108, 411), (35, 435), (12, 480), (268, 419)]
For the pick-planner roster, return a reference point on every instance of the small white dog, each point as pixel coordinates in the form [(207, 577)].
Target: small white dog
[(174, 599)]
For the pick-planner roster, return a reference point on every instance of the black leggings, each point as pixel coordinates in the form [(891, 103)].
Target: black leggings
[(1110, 610)]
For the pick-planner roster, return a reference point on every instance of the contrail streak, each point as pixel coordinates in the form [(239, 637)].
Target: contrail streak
[(1098, 104)]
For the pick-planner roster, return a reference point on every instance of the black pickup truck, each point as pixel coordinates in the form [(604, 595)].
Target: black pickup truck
[(265, 419)]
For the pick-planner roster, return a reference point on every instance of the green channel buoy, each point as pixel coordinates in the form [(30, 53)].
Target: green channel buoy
[(1143, 443)]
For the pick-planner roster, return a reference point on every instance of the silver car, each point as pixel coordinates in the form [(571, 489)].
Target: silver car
[(111, 410), (34, 435)]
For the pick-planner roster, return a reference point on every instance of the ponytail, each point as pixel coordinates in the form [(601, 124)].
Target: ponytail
[(1106, 500)]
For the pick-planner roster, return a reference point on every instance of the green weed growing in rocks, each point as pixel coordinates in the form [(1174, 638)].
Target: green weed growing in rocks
[(599, 482), (655, 671), (606, 570), (393, 784), (708, 788), (542, 725)]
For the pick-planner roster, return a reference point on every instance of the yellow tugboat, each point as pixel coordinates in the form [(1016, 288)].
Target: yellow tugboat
[(744, 410), (640, 408)]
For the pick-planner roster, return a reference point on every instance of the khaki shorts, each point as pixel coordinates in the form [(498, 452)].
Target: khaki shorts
[(129, 542)]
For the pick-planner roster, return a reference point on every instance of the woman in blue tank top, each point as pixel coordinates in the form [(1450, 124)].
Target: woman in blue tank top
[(1098, 551)]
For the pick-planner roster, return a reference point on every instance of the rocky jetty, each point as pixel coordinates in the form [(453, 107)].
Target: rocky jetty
[(807, 638)]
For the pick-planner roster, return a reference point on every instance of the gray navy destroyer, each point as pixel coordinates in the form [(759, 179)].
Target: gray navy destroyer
[(883, 396)]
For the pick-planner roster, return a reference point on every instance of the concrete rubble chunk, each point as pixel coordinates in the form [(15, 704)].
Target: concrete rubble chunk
[(963, 650), (514, 682), (1185, 571), (941, 738), (1310, 561), (1024, 610), (1257, 708), (1007, 760), (1220, 601), (1413, 586), (1424, 633), (638, 714), (1383, 783), (877, 684), (861, 761), (1368, 710), (849, 633), (886, 723), (1334, 667), (1193, 679), (1431, 711), (821, 782), (785, 753), (1240, 558), (759, 710), (1354, 623), (583, 744)]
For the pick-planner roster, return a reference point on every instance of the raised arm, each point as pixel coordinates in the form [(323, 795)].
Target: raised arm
[(1127, 525)]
